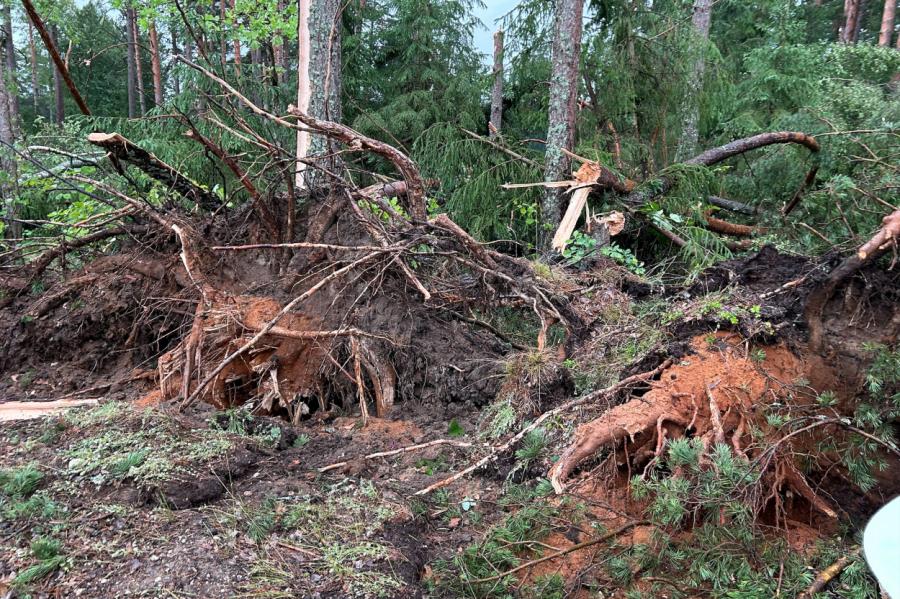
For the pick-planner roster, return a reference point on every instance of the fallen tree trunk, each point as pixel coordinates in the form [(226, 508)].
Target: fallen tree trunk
[(121, 150), (716, 155)]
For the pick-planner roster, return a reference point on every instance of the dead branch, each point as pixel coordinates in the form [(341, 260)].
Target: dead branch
[(577, 547), (61, 65), (443, 222), (589, 398), (393, 452), (808, 182), (42, 262), (728, 228), (354, 139), (731, 205), (121, 150), (259, 206), (717, 155), (829, 574)]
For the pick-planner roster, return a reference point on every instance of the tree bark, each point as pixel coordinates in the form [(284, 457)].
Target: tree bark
[(887, 23), (131, 83), (32, 49), (61, 71), (156, 65), (690, 126), (237, 45), (303, 88), (12, 87), (497, 91), (60, 112), (176, 81), (138, 67), (562, 113), (851, 19), (13, 229), (325, 81)]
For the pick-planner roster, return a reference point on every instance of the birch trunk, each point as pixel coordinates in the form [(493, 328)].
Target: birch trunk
[(303, 87), (129, 47), (887, 23), (156, 65), (690, 126), (497, 90), (562, 112)]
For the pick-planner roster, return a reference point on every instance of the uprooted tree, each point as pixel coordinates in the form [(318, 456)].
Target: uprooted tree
[(364, 299)]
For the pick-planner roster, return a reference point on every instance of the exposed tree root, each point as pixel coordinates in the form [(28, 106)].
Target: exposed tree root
[(710, 395)]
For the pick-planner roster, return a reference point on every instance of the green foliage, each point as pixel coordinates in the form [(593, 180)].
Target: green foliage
[(47, 552), (21, 482)]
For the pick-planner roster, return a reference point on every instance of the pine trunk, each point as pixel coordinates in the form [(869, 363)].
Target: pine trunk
[(325, 80), (690, 126), (562, 112), (129, 47), (851, 18), (60, 113), (887, 23), (156, 65), (237, 46), (497, 90), (7, 158), (12, 87), (138, 67)]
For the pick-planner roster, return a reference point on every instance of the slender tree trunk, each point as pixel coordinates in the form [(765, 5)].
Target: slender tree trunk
[(138, 66), (223, 39), (12, 87), (237, 44), (563, 109), (325, 79), (279, 49), (156, 65), (60, 113), (132, 83), (887, 23), (860, 17), (32, 50), (176, 80), (690, 126), (7, 158), (303, 87), (851, 18), (497, 90)]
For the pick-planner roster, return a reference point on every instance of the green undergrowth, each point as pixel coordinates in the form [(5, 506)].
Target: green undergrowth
[(531, 517), (337, 532), (143, 446)]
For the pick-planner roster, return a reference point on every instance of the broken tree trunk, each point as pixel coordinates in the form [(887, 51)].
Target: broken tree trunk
[(721, 153), (54, 54), (497, 90), (121, 150)]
